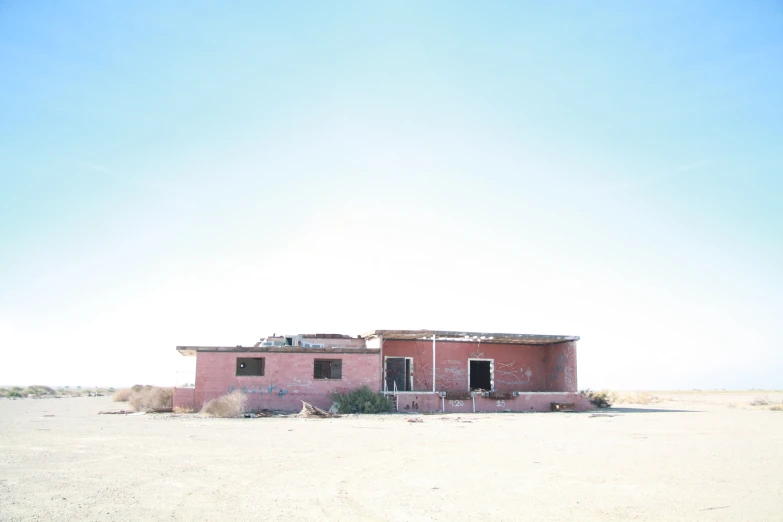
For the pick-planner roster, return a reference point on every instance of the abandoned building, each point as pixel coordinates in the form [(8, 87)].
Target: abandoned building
[(418, 370)]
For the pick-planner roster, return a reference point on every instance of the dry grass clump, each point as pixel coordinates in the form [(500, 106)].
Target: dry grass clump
[(766, 404), (640, 397), (178, 409), (151, 398), (123, 395), (38, 391), (599, 399), (227, 406)]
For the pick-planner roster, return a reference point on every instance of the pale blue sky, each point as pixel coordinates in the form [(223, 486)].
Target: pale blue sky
[(209, 173)]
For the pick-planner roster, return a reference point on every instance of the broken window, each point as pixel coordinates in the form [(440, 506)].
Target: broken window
[(480, 375), (250, 366), (328, 369)]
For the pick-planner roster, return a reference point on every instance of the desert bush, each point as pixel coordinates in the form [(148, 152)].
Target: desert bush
[(776, 407), (227, 406), (361, 400), (178, 409), (123, 395), (599, 399), (152, 398), (760, 402), (38, 391), (13, 393)]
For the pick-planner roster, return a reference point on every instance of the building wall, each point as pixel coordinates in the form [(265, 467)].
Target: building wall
[(562, 367), (517, 367), (184, 398), (287, 380), (530, 402)]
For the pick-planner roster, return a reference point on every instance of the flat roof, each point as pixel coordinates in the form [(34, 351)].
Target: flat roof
[(462, 336), (191, 350)]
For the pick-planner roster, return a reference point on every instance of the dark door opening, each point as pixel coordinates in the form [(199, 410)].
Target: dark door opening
[(398, 371), (480, 375)]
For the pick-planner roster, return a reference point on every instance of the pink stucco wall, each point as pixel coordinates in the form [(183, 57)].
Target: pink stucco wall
[(561, 365), (518, 367), (432, 402), (287, 380), (184, 398)]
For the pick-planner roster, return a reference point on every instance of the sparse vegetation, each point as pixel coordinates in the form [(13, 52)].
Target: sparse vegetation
[(178, 409), (151, 398), (766, 404), (38, 391), (123, 395), (639, 397), (361, 400), (227, 406), (599, 399)]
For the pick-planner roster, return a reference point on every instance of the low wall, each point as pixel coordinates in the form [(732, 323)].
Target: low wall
[(525, 402), (184, 398)]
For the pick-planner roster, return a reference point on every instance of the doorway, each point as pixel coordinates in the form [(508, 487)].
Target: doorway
[(480, 374), (399, 372)]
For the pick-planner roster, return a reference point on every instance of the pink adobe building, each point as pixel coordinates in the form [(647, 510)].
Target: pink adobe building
[(418, 370)]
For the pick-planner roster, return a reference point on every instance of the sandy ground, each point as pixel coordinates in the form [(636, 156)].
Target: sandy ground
[(694, 456)]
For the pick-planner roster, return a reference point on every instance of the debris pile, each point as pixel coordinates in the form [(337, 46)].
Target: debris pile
[(308, 410)]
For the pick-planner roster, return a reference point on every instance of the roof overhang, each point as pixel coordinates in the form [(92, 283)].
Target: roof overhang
[(470, 337)]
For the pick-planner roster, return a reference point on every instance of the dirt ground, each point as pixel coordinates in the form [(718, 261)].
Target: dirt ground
[(692, 456)]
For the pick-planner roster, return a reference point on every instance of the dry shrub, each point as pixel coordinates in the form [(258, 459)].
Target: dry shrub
[(643, 397), (38, 391), (227, 406), (760, 402), (361, 400), (639, 397), (151, 398), (178, 409), (599, 399), (776, 407), (122, 395)]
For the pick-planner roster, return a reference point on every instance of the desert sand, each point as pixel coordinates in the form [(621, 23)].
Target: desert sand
[(691, 456)]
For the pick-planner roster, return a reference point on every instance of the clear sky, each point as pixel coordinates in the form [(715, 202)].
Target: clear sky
[(210, 173)]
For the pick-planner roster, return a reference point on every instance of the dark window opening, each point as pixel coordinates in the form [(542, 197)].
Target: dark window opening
[(398, 371), (289, 341), (328, 369), (251, 367), (480, 376)]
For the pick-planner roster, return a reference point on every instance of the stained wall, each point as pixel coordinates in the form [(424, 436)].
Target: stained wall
[(517, 367), (287, 380)]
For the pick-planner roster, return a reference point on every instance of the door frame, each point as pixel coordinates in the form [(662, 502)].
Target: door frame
[(410, 376), (491, 372)]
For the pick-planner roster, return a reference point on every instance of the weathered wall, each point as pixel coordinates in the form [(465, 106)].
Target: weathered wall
[(562, 367), (288, 378), (184, 398), (518, 367), (432, 402)]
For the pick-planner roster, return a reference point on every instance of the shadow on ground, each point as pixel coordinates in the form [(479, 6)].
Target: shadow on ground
[(644, 410)]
